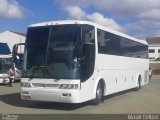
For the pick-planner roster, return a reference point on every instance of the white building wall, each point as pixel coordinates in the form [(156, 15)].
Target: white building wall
[(11, 38)]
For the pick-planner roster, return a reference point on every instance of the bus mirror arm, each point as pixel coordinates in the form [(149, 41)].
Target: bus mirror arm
[(15, 54)]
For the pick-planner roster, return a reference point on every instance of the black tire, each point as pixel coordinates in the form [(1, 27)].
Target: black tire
[(150, 76), (138, 84), (99, 94)]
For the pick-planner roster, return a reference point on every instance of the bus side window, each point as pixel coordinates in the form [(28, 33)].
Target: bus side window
[(88, 57)]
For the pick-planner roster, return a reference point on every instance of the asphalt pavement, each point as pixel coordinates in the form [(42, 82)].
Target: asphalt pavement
[(146, 100)]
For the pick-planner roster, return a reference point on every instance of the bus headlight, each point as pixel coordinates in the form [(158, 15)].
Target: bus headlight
[(25, 84), (68, 86)]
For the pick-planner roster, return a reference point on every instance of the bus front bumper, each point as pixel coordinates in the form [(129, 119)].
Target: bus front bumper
[(51, 95)]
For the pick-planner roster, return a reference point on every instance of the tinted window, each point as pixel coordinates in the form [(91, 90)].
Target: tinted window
[(37, 40), (51, 52), (88, 55), (5, 64), (4, 49), (61, 56), (112, 44), (135, 49), (151, 51), (108, 43)]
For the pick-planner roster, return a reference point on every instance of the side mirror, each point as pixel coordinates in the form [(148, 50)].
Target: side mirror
[(15, 53)]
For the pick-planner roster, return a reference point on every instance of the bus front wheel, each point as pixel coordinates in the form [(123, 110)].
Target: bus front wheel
[(99, 94)]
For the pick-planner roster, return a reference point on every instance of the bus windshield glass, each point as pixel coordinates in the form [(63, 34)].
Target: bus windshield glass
[(5, 64), (51, 52)]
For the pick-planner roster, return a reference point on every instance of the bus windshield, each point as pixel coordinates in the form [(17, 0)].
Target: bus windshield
[(5, 64), (51, 52)]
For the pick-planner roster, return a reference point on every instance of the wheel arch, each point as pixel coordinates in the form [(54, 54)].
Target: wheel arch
[(101, 79)]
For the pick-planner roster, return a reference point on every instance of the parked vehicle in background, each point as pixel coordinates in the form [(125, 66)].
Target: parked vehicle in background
[(5, 62), (15, 71), (5, 65)]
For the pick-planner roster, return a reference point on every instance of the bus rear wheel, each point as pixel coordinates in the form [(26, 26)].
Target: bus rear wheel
[(138, 84), (99, 94)]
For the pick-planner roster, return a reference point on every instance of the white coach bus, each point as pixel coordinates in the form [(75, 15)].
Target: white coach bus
[(77, 61), (5, 65)]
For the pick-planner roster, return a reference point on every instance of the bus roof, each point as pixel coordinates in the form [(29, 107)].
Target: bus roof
[(63, 22)]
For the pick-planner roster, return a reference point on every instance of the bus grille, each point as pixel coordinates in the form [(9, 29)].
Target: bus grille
[(45, 85)]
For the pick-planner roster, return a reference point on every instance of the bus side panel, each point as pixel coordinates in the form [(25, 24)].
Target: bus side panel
[(110, 69), (133, 67), (121, 73)]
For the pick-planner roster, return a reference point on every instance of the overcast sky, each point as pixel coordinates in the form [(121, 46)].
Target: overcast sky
[(134, 17)]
